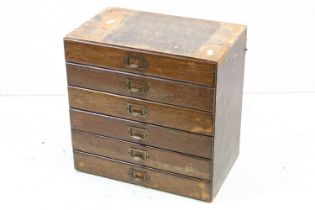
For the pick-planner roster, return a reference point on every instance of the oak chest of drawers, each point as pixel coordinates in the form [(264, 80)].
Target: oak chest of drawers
[(155, 100)]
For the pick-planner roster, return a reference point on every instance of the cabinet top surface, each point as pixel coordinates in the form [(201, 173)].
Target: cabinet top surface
[(188, 37)]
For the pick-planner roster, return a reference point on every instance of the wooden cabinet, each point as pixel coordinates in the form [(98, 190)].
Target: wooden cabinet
[(156, 100)]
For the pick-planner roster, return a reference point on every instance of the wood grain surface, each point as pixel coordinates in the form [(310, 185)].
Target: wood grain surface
[(181, 36), (141, 110), (156, 100), (142, 155), (143, 87), (156, 136), (145, 63), (228, 112), (144, 176)]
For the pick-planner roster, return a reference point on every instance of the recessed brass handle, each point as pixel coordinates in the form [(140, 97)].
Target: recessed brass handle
[(138, 154), (136, 86), (135, 62), (138, 176), (138, 134), (135, 110)]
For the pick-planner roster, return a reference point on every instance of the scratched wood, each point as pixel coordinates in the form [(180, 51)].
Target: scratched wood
[(144, 111), (228, 112), (156, 100), (157, 65), (189, 37), (147, 177), (156, 136), (143, 87), (142, 155)]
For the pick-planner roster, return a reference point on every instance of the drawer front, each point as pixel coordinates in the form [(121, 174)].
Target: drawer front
[(143, 155), (133, 85), (158, 65), (175, 140), (148, 177), (140, 110)]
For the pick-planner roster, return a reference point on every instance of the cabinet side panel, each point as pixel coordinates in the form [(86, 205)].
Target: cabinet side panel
[(229, 93)]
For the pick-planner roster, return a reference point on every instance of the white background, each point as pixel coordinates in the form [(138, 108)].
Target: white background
[(276, 168)]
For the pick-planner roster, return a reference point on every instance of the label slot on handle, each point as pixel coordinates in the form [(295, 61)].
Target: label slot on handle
[(138, 154), (135, 62), (138, 176), (136, 86), (135, 110), (139, 134)]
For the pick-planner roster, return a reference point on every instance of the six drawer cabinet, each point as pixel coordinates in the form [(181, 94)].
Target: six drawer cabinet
[(155, 100)]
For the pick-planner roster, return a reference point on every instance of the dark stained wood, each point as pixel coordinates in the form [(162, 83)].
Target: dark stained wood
[(140, 110), (228, 112), (156, 100), (142, 155), (143, 87), (157, 65), (180, 141), (144, 176)]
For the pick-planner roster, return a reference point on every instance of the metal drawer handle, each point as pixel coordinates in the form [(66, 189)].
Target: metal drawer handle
[(138, 176), (137, 111), (138, 154), (135, 62), (138, 134), (134, 86)]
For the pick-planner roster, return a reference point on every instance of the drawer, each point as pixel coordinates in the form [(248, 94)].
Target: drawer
[(143, 155), (140, 110), (147, 63), (143, 87), (144, 176), (145, 134)]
